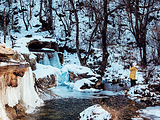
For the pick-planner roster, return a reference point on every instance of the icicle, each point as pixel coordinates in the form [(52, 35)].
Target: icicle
[(29, 97), (46, 60), (55, 62)]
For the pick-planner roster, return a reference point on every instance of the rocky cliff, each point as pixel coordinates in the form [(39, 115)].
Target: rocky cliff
[(17, 92)]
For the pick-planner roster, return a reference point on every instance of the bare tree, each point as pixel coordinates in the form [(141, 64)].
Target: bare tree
[(156, 37), (5, 26), (77, 31), (139, 16), (25, 14)]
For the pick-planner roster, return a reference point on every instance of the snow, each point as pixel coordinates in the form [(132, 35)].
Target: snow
[(95, 112), (7, 64), (79, 83), (44, 70), (3, 115), (32, 56), (150, 113), (77, 69)]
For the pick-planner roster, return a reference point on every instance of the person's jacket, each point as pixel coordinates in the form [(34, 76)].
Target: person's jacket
[(133, 71)]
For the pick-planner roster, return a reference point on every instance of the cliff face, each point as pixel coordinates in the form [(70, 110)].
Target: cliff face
[(17, 88), (17, 92)]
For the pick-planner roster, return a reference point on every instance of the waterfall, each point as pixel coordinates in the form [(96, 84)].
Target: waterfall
[(45, 60), (55, 62), (51, 59)]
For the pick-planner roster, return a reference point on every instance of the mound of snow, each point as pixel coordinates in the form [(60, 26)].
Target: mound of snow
[(150, 113), (44, 70), (95, 112)]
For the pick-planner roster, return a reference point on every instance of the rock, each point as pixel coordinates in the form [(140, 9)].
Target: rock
[(54, 46), (11, 76), (18, 57), (11, 112), (35, 44), (31, 61), (20, 110), (6, 51), (72, 76), (28, 36), (121, 84), (96, 80), (46, 82)]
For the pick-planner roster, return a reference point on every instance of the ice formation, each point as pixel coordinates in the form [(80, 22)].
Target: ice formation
[(24, 94)]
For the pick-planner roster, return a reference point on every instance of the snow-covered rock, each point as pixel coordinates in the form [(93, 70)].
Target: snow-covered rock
[(95, 112)]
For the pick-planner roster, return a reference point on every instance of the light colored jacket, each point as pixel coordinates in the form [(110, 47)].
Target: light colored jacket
[(133, 71)]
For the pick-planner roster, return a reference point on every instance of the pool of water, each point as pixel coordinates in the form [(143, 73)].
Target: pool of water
[(70, 103)]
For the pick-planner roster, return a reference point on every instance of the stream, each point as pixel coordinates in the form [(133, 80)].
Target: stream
[(71, 103)]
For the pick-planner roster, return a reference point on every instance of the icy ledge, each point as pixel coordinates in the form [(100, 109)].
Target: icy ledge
[(23, 94)]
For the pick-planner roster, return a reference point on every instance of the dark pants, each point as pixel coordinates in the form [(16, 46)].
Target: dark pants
[(133, 82)]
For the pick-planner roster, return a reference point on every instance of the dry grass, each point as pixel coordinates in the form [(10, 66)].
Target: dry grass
[(114, 113)]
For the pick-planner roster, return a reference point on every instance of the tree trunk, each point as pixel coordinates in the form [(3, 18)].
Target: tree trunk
[(104, 38), (40, 12), (144, 60), (143, 39), (77, 32), (158, 49), (50, 20), (4, 16), (23, 15)]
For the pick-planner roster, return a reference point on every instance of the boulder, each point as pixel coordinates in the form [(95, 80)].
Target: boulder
[(46, 82), (96, 80), (35, 44), (18, 57), (5, 53), (20, 110), (11, 112)]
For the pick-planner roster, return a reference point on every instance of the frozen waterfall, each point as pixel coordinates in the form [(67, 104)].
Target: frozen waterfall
[(23, 94), (51, 59)]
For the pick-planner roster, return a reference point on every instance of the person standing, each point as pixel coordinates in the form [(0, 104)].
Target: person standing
[(133, 69)]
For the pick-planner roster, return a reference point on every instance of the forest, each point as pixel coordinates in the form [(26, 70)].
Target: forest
[(81, 39)]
